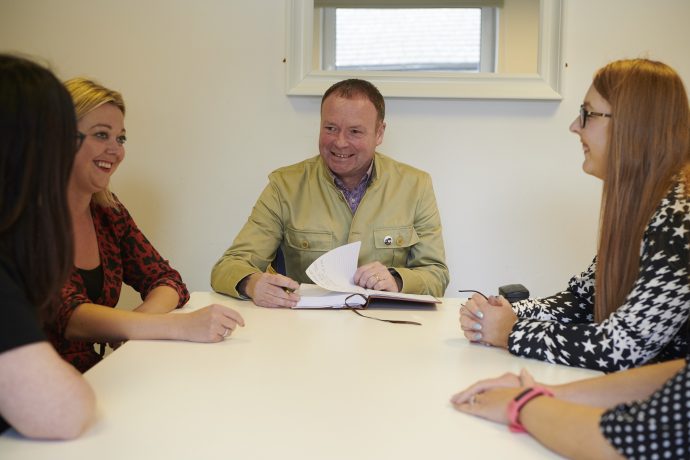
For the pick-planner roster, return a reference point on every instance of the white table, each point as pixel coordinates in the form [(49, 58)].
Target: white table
[(307, 384)]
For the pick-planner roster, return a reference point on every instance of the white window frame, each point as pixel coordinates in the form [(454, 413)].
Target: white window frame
[(488, 42), (304, 79)]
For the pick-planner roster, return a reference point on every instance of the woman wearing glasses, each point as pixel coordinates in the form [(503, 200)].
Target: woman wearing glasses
[(634, 128), (110, 249), (37, 145)]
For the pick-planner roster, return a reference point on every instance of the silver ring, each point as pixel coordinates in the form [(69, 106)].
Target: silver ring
[(473, 399), (226, 332)]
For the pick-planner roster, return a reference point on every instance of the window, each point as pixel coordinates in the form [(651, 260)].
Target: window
[(528, 60), (408, 39)]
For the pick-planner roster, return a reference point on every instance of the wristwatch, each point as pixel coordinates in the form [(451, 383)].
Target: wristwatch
[(396, 276), (520, 400)]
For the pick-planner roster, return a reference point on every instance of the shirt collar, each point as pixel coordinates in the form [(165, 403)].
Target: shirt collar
[(341, 185)]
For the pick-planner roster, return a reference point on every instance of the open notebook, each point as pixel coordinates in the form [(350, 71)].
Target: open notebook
[(333, 275)]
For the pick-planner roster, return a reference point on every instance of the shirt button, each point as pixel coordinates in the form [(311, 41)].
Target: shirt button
[(305, 244), (399, 241)]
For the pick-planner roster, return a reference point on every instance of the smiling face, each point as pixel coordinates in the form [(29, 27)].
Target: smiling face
[(102, 150), (350, 133), (594, 136)]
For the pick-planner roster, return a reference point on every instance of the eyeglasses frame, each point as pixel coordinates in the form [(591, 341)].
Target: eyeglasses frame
[(584, 114)]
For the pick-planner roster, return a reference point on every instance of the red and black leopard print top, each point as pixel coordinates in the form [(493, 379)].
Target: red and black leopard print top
[(126, 255)]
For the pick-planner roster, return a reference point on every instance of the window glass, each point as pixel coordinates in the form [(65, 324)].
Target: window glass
[(406, 39)]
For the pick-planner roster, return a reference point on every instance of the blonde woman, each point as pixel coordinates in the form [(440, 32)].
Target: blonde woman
[(110, 249), (634, 127)]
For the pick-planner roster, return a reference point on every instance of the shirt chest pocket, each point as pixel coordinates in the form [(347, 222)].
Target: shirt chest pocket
[(302, 247), (393, 244)]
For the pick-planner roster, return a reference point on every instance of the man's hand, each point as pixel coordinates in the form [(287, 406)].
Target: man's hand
[(271, 290), (376, 276)]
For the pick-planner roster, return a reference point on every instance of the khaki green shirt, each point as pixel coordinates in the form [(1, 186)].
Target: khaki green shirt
[(302, 212)]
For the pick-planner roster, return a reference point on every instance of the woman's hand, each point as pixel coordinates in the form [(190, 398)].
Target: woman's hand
[(489, 398), (209, 324), (487, 321), (491, 405), (507, 380)]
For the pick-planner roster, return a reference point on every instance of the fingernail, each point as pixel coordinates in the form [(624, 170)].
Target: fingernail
[(478, 336), (495, 301), (477, 327), (479, 315)]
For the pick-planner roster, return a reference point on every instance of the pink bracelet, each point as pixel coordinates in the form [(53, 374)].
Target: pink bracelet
[(520, 400)]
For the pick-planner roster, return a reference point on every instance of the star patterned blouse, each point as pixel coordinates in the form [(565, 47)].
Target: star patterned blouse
[(648, 327), (126, 255)]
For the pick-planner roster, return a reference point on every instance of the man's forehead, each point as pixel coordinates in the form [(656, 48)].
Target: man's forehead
[(336, 98), (337, 107)]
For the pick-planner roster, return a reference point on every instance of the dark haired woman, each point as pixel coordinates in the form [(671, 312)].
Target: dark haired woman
[(38, 140)]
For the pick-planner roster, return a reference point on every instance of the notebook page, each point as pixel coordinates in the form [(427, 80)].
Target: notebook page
[(335, 269)]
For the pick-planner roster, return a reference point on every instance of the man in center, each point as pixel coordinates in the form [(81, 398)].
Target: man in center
[(348, 193)]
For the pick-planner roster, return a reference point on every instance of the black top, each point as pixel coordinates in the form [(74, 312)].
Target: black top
[(93, 281), (19, 325)]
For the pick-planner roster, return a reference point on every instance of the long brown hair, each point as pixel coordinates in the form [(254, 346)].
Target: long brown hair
[(38, 140), (648, 145)]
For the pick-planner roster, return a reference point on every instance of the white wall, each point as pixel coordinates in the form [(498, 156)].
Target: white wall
[(208, 119)]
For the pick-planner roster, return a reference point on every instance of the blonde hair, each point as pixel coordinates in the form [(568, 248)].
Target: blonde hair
[(87, 96), (648, 146)]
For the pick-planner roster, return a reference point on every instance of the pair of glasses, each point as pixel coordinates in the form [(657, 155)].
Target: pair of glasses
[(584, 114), (355, 301), (476, 292)]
